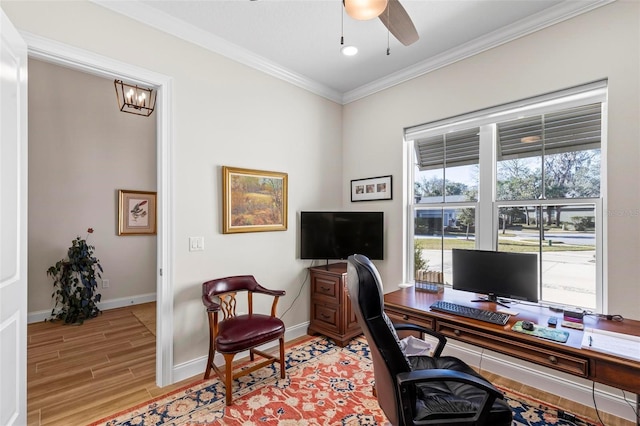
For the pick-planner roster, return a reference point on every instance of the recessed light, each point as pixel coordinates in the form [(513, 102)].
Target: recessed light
[(349, 50)]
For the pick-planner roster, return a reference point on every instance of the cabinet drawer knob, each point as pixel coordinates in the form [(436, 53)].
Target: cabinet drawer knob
[(325, 288), (553, 359), (405, 317), (325, 316), (457, 332)]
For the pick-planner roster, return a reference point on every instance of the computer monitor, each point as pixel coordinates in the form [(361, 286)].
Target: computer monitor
[(496, 274)]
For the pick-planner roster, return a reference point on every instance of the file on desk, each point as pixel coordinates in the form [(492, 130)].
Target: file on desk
[(618, 344)]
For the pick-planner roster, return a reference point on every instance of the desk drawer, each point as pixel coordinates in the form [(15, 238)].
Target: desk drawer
[(325, 316), (325, 287), (527, 351), (405, 318)]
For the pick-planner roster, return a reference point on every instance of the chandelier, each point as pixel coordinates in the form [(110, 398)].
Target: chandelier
[(135, 99)]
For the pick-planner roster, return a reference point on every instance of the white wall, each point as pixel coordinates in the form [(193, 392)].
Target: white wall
[(225, 114), (604, 43), (82, 149)]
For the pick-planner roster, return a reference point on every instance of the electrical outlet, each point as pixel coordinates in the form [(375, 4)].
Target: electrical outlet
[(105, 283), (196, 243)]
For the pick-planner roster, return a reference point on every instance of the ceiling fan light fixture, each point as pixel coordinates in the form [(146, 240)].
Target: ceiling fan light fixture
[(363, 10), (349, 50)]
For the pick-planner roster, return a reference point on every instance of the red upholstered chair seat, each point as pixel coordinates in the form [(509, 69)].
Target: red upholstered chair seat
[(247, 331)]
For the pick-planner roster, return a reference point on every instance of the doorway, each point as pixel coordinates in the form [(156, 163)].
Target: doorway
[(82, 150), (57, 53)]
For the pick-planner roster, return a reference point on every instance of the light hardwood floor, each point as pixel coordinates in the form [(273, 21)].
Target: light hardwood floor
[(79, 374)]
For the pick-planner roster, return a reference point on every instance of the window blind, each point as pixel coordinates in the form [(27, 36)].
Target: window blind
[(574, 129), (590, 93), (448, 150)]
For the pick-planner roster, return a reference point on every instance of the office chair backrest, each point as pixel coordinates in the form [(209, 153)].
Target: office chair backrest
[(367, 300)]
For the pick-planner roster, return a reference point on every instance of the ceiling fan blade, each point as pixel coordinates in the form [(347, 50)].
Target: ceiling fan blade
[(397, 20)]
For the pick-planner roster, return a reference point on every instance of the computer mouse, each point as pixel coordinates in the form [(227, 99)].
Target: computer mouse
[(528, 325)]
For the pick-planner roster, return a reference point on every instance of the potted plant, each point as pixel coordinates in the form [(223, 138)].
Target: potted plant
[(74, 283)]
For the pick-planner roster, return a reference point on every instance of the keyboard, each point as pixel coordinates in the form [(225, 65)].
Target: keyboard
[(469, 312)]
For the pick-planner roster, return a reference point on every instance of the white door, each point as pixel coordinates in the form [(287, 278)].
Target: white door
[(13, 225)]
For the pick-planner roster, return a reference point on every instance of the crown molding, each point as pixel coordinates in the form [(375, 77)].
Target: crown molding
[(166, 23), (178, 28), (537, 22)]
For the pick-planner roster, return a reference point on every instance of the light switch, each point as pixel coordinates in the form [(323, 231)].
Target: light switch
[(196, 243)]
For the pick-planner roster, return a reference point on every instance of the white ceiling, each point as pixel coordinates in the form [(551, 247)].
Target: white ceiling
[(299, 40)]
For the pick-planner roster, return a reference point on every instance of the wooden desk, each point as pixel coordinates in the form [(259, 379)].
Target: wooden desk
[(409, 305)]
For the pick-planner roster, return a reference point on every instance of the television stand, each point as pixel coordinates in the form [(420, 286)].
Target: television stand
[(491, 298), (331, 313)]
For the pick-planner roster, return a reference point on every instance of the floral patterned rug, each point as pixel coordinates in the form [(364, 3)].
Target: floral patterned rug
[(325, 385)]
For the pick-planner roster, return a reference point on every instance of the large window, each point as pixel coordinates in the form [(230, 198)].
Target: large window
[(523, 177)]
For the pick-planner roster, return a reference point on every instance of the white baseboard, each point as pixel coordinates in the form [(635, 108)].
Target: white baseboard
[(195, 368), (608, 399), (105, 305)]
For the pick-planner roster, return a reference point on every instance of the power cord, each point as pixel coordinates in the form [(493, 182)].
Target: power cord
[(299, 291), (593, 396), (624, 396), (615, 317)]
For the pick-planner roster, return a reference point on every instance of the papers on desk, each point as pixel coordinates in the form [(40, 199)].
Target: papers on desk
[(622, 345)]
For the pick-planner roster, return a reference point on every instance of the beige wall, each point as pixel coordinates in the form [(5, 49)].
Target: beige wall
[(82, 149), (224, 114), (604, 43)]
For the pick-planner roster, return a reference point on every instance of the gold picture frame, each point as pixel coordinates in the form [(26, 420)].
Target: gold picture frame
[(253, 200), (136, 212)]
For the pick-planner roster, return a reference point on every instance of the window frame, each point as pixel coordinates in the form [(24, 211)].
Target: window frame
[(486, 212)]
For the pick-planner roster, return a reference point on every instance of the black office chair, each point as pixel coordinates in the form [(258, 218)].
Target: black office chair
[(418, 390)]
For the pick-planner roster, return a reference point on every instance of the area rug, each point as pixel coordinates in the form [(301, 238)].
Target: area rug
[(325, 385)]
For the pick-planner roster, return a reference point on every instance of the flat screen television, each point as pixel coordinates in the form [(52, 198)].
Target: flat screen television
[(496, 274), (339, 234)]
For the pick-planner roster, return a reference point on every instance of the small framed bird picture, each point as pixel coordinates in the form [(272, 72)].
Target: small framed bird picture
[(136, 212)]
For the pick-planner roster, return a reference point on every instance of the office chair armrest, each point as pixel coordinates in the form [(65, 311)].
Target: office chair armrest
[(442, 340), (210, 304), (406, 388)]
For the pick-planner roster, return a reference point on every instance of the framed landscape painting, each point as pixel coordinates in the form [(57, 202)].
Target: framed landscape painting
[(253, 200), (136, 212)]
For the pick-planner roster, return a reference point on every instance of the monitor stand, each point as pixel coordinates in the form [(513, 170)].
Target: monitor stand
[(491, 298)]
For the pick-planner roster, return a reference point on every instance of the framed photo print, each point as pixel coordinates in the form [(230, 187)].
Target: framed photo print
[(370, 189), (253, 200), (136, 212)]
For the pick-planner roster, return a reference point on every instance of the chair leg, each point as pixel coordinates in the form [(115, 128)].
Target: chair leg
[(212, 353), (282, 367), (228, 377), (212, 345)]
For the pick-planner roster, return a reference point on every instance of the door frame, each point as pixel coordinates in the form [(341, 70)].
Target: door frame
[(71, 57)]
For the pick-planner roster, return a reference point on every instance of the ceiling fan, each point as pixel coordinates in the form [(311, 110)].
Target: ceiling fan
[(390, 12)]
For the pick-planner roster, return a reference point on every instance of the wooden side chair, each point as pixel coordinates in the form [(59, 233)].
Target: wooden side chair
[(230, 334)]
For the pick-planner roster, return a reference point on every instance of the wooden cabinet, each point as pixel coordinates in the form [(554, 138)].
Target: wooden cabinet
[(331, 313)]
